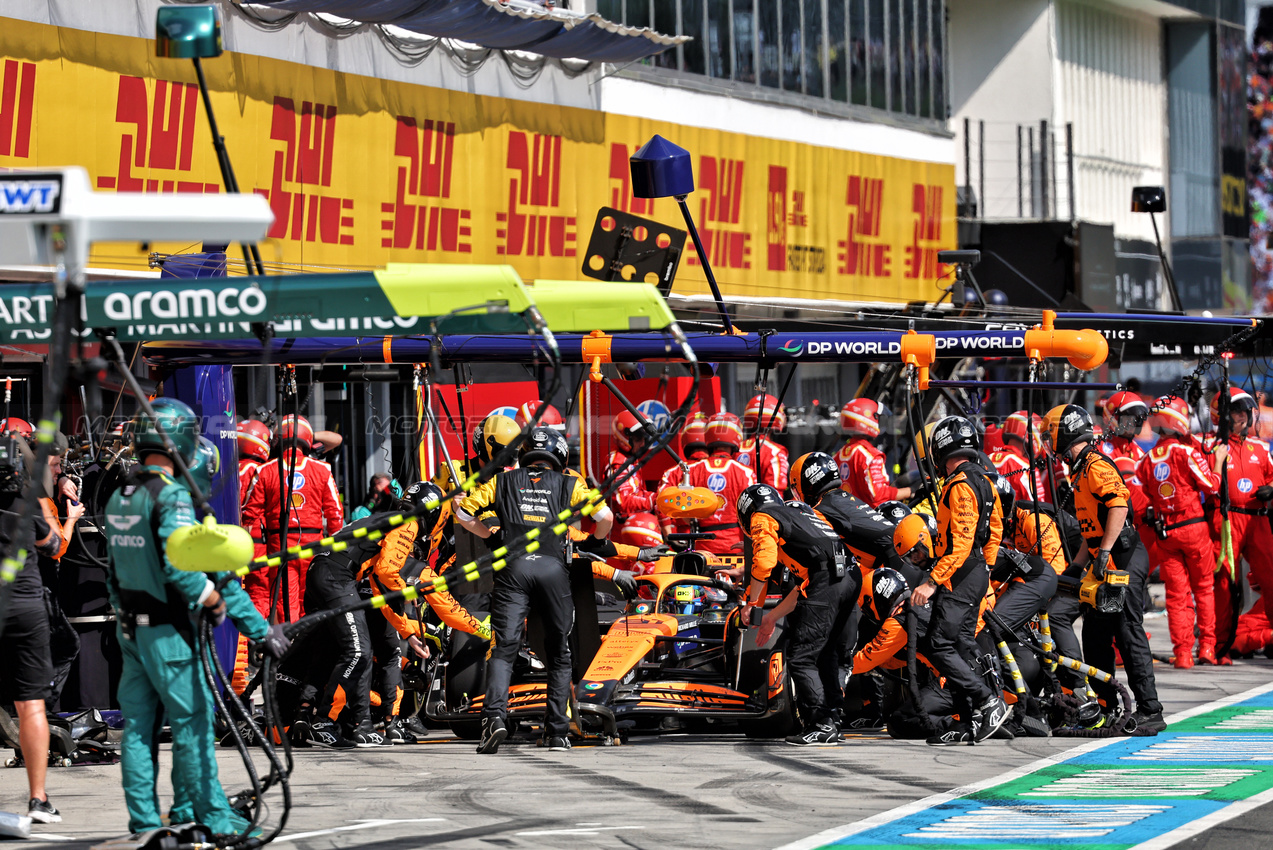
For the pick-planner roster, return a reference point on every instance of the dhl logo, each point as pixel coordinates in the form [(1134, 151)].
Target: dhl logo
[(864, 196), (159, 136), (621, 197), (536, 182), (429, 151), (921, 258), (721, 191), (309, 142)]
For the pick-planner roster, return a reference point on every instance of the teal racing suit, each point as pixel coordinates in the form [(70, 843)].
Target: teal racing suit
[(158, 606)]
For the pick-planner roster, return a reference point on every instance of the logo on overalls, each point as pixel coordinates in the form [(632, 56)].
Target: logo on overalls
[(744, 458), (298, 481), (1166, 490), (657, 412), (716, 482), (298, 500), (1162, 471), (1245, 485)]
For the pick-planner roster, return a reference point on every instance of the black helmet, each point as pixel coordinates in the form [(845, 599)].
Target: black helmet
[(954, 437), (423, 493), (544, 445), (894, 511), (752, 498), (1007, 499), (888, 587), (1068, 424), (814, 474)]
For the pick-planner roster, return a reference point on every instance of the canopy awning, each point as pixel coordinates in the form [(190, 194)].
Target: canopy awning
[(513, 25)]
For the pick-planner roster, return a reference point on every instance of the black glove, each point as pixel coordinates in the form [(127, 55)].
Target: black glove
[(1264, 492), (1100, 564), (652, 553), (275, 643), (626, 582)]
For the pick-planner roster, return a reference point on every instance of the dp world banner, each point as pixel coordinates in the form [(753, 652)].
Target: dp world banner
[(361, 171)]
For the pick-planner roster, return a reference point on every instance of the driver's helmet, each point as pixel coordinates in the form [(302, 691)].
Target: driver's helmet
[(685, 598)]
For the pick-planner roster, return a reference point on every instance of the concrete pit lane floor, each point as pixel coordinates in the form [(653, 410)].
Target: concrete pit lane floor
[(702, 791)]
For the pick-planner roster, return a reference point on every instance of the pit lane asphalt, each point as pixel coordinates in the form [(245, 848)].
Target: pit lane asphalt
[(664, 792)]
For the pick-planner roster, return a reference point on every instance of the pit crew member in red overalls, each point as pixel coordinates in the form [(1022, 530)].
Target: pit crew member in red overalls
[(314, 513), (1175, 475), (632, 497), (726, 477), (861, 463), (765, 457), (1250, 478), (1013, 460)]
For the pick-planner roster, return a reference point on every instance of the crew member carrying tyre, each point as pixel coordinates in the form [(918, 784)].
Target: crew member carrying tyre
[(1101, 507), (1176, 474), (969, 530), (797, 537), (531, 497)]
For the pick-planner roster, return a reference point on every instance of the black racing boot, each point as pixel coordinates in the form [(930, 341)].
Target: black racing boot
[(821, 734), (993, 714), (493, 734)]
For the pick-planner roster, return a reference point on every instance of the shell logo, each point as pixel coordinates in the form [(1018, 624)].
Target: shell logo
[(1166, 490)]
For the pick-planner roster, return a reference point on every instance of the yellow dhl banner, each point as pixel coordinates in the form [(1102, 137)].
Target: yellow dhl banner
[(362, 171)]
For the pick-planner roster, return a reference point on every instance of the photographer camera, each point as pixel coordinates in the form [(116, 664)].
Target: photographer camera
[(26, 670)]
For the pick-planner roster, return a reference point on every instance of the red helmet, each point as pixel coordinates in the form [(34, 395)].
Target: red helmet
[(641, 530), (15, 425), (254, 439), (723, 429), (1172, 417), (1014, 428), (627, 431), (1120, 404), (1239, 400), (694, 434), (759, 410), (298, 430), (550, 419), (861, 417)]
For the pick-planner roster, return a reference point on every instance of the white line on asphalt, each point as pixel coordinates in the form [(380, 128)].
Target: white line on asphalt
[(838, 833), (592, 830), (1229, 812), (367, 824), (50, 836)]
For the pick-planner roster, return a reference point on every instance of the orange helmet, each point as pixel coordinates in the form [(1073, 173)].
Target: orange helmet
[(1014, 428), (627, 430), (641, 530), (254, 439), (550, 419), (861, 417), (723, 429), (1172, 417), (911, 533), (759, 413), (14, 425), (1120, 404), (694, 434), (296, 429), (1239, 400)]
